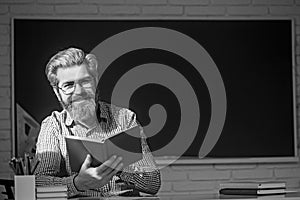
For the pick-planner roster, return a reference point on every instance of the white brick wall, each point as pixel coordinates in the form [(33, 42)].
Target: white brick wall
[(181, 179), (120, 10)]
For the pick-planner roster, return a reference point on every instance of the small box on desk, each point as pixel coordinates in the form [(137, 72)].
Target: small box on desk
[(24, 187)]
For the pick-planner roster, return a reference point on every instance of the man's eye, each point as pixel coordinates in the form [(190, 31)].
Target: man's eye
[(86, 83), (68, 85)]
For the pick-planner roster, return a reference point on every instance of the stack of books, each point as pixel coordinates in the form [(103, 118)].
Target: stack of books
[(58, 192), (252, 188)]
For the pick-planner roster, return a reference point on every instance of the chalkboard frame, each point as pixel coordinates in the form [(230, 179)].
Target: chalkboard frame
[(166, 160)]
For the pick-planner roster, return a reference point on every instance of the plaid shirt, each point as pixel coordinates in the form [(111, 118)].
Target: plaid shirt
[(54, 167)]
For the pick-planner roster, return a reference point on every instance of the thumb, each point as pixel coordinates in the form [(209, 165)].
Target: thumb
[(87, 162)]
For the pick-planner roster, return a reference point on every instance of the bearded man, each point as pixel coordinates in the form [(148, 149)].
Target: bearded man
[(73, 76)]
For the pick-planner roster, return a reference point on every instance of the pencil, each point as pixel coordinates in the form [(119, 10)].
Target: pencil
[(27, 164), (21, 166), (35, 166)]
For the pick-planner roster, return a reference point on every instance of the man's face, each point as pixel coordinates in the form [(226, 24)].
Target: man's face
[(80, 102)]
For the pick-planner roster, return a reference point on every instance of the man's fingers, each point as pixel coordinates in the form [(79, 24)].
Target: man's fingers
[(108, 174), (116, 163), (115, 170), (106, 164), (109, 165), (87, 162)]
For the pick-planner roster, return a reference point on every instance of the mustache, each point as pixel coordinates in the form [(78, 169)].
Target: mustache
[(72, 99)]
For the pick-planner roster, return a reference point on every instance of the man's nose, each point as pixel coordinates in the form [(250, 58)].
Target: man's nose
[(78, 89)]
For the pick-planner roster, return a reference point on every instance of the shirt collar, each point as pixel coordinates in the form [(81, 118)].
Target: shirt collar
[(67, 118)]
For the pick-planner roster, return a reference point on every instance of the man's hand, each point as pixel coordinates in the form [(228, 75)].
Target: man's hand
[(95, 177)]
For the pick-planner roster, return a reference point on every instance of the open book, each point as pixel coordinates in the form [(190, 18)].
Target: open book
[(125, 144)]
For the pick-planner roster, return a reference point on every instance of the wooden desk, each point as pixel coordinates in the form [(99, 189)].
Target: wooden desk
[(289, 196)]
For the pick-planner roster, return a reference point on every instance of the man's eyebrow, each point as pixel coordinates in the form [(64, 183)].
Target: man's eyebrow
[(68, 82)]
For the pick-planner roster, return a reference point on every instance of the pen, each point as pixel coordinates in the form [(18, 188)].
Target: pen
[(35, 166), (27, 164), (21, 166)]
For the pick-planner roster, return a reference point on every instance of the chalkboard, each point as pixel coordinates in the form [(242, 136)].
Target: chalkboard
[(202, 88)]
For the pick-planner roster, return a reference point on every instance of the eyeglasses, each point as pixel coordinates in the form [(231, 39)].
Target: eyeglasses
[(69, 87)]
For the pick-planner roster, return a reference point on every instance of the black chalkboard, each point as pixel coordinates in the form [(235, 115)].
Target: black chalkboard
[(238, 73)]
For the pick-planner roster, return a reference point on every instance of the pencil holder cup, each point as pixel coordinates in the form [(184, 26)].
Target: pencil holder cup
[(25, 187)]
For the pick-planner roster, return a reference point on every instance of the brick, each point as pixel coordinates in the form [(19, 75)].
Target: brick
[(4, 39), (5, 156), (192, 167), (4, 167), (16, 1), (293, 173), (231, 2), (209, 175), (165, 186), (4, 69), (235, 166), (4, 60), (4, 50), (166, 195), (290, 182), (8, 175), (297, 30), (4, 114), (4, 29), (32, 9), (189, 2), (76, 9), (5, 134), (4, 19), (146, 2), (123, 10), (193, 185), (5, 145), (204, 192), (5, 124), (284, 10), (5, 102), (278, 165), (4, 81), (106, 2), (173, 176), (252, 174), (272, 2), (4, 92), (3, 9), (162, 10), (57, 1), (247, 10), (298, 50), (203, 10)]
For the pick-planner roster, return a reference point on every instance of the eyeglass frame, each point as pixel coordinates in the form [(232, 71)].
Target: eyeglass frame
[(74, 83)]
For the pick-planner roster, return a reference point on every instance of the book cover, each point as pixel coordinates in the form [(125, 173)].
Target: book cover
[(240, 191), (54, 188), (52, 198), (125, 144), (254, 185), (51, 194)]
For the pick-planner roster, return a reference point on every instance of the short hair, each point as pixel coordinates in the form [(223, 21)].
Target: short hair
[(68, 58)]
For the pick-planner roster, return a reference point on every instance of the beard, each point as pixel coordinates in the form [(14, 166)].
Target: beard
[(81, 108)]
